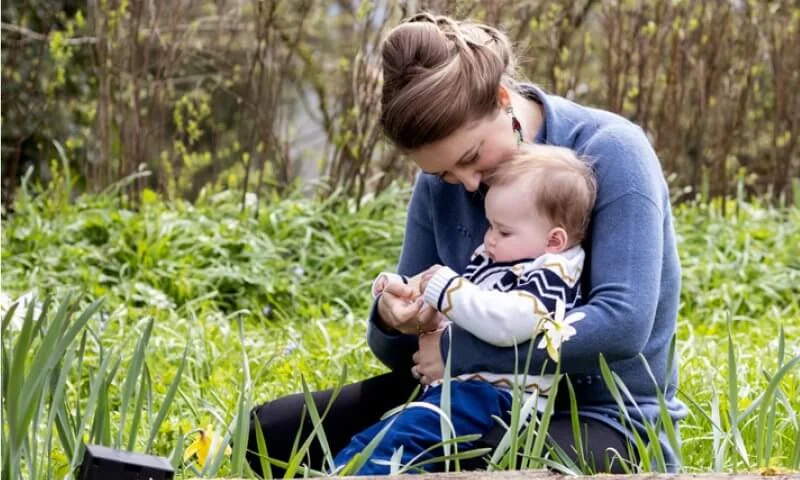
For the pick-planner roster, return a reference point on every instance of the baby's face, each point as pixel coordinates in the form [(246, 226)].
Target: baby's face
[(516, 231)]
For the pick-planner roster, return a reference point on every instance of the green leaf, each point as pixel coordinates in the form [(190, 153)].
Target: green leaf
[(134, 369), (263, 454), (166, 402)]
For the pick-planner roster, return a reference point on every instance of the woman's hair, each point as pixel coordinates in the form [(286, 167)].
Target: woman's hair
[(562, 186), (439, 75)]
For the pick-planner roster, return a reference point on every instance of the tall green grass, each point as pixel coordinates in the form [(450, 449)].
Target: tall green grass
[(182, 315), (738, 331)]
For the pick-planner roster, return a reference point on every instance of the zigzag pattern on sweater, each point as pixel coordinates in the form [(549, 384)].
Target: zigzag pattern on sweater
[(548, 283), (549, 287)]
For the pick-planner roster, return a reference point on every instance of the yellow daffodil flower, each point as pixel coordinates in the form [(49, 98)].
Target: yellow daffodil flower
[(558, 330), (774, 471), (207, 442)]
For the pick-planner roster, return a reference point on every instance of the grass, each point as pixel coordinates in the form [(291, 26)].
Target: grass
[(193, 312)]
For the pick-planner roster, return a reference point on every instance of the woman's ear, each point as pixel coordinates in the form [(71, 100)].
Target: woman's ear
[(503, 97), (557, 240)]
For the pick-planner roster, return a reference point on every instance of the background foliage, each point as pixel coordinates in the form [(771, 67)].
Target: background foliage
[(246, 305), (194, 123), (257, 94)]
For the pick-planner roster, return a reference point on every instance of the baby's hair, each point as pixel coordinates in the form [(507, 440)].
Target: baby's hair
[(561, 184)]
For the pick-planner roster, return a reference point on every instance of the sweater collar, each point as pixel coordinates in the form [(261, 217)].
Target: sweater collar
[(536, 94)]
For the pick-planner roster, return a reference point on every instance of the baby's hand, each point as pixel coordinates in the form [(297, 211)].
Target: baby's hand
[(413, 282), (427, 275), (380, 285), (383, 281)]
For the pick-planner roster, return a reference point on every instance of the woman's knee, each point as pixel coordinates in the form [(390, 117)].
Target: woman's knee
[(276, 416), (603, 449)]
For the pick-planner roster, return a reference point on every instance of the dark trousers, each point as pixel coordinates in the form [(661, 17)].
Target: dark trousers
[(361, 404)]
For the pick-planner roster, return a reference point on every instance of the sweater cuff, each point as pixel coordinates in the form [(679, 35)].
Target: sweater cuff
[(437, 286)]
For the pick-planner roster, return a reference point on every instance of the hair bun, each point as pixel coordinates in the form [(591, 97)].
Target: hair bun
[(411, 49), (438, 74)]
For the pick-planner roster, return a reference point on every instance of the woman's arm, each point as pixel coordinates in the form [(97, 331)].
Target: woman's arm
[(419, 252)]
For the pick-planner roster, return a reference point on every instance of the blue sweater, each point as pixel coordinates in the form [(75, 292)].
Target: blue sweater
[(631, 279)]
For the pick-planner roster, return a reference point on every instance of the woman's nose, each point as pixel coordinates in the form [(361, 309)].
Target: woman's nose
[(470, 180)]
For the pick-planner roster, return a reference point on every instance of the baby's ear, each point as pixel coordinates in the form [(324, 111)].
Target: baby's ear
[(557, 240)]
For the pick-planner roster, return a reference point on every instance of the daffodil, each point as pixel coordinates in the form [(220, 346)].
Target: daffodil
[(558, 330), (208, 442), (774, 471)]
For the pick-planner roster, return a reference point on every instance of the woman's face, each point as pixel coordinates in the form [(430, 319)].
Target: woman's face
[(470, 152)]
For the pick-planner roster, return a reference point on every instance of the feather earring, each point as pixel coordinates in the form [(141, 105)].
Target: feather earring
[(515, 125)]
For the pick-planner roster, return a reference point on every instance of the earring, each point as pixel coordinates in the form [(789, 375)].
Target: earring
[(515, 125)]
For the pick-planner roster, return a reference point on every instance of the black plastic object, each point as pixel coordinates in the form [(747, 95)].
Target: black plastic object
[(101, 463)]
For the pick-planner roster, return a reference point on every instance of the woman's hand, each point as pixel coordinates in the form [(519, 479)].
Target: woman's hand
[(401, 309), (428, 364)]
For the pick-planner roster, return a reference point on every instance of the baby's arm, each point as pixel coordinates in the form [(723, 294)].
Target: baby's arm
[(499, 318)]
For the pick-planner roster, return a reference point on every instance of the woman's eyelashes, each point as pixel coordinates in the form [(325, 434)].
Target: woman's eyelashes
[(470, 160)]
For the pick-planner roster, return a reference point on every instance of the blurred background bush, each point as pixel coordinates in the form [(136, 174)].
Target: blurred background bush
[(267, 95)]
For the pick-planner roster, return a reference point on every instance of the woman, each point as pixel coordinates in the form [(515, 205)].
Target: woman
[(451, 103)]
